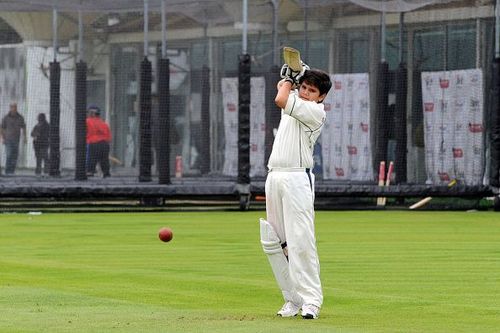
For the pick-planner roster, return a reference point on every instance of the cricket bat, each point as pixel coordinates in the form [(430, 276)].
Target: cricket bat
[(291, 57), (388, 180), (381, 180), (424, 201), (421, 203), (114, 160)]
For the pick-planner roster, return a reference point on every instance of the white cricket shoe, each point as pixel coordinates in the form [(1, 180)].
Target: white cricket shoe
[(310, 311), (289, 309)]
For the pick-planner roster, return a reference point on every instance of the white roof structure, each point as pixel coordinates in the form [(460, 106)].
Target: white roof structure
[(138, 5), (32, 19)]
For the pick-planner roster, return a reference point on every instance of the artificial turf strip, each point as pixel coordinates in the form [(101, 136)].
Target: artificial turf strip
[(381, 271)]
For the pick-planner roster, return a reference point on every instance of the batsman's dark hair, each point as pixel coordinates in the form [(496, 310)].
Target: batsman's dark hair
[(317, 78)]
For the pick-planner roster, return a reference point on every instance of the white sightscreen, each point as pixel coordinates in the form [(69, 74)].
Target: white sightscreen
[(257, 126), (453, 126), (345, 140)]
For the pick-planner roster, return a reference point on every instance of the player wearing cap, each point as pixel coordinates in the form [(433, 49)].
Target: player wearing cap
[(287, 236), (98, 140)]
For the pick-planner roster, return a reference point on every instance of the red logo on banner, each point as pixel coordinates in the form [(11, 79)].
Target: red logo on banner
[(458, 153), (444, 176), (338, 85), (231, 107), (328, 106), (475, 128), (364, 127), (429, 107), (339, 172), (444, 83), (352, 150)]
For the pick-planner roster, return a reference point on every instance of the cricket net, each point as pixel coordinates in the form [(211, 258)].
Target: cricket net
[(187, 88)]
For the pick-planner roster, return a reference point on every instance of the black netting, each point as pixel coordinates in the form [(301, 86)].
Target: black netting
[(414, 82), (80, 125)]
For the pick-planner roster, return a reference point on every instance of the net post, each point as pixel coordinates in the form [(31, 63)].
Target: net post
[(400, 124), (244, 121), (381, 114), (80, 120), (55, 111), (145, 153), (205, 121), (272, 111), (163, 149), (495, 124)]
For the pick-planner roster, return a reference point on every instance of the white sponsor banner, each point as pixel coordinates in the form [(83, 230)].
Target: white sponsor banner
[(12, 72), (452, 103), (257, 126), (38, 99), (345, 139)]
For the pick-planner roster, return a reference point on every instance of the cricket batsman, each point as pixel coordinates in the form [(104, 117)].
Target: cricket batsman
[(288, 236)]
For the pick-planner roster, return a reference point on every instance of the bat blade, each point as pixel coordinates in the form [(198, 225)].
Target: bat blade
[(421, 203), (291, 57), (426, 200), (114, 160)]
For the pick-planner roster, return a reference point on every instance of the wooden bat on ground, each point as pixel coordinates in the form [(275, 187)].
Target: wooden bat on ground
[(426, 200), (421, 203), (114, 160)]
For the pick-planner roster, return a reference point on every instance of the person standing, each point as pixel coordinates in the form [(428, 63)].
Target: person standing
[(98, 141), (288, 234), (40, 135), (12, 125)]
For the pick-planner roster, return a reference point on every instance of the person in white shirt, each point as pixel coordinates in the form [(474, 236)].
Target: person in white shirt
[(287, 236)]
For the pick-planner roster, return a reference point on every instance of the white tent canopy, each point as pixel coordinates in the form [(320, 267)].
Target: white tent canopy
[(138, 5), (91, 5)]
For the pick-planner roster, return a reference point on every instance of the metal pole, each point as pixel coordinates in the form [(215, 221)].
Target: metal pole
[(146, 27), (245, 26), (80, 36), (382, 37), (497, 29), (401, 35), (446, 32), (163, 30), (54, 32), (275, 4), (306, 27)]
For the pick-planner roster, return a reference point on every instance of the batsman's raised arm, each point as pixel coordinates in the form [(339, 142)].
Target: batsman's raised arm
[(284, 88)]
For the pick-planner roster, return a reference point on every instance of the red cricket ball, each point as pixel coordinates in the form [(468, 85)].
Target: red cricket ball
[(165, 234)]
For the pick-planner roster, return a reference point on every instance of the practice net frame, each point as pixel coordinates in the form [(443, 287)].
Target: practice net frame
[(187, 88)]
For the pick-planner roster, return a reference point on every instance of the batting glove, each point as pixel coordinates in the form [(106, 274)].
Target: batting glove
[(305, 67), (296, 76), (286, 73)]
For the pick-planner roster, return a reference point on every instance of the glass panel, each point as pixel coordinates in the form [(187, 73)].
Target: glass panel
[(392, 48), (429, 49), (462, 47)]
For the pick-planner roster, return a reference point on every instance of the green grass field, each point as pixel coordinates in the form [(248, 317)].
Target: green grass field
[(391, 271)]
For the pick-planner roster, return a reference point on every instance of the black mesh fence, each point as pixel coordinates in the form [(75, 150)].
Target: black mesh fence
[(414, 83)]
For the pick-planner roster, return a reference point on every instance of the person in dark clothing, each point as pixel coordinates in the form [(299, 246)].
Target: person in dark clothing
[(12, 125), (40, 135), (98, 140)]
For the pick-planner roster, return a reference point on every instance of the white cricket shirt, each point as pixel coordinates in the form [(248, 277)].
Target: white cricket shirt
[(300, 125)]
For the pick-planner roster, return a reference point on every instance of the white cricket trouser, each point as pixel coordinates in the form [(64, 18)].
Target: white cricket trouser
[(290, 210)]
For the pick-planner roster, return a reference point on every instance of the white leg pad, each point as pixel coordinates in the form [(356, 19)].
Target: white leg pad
[(279, 264)]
